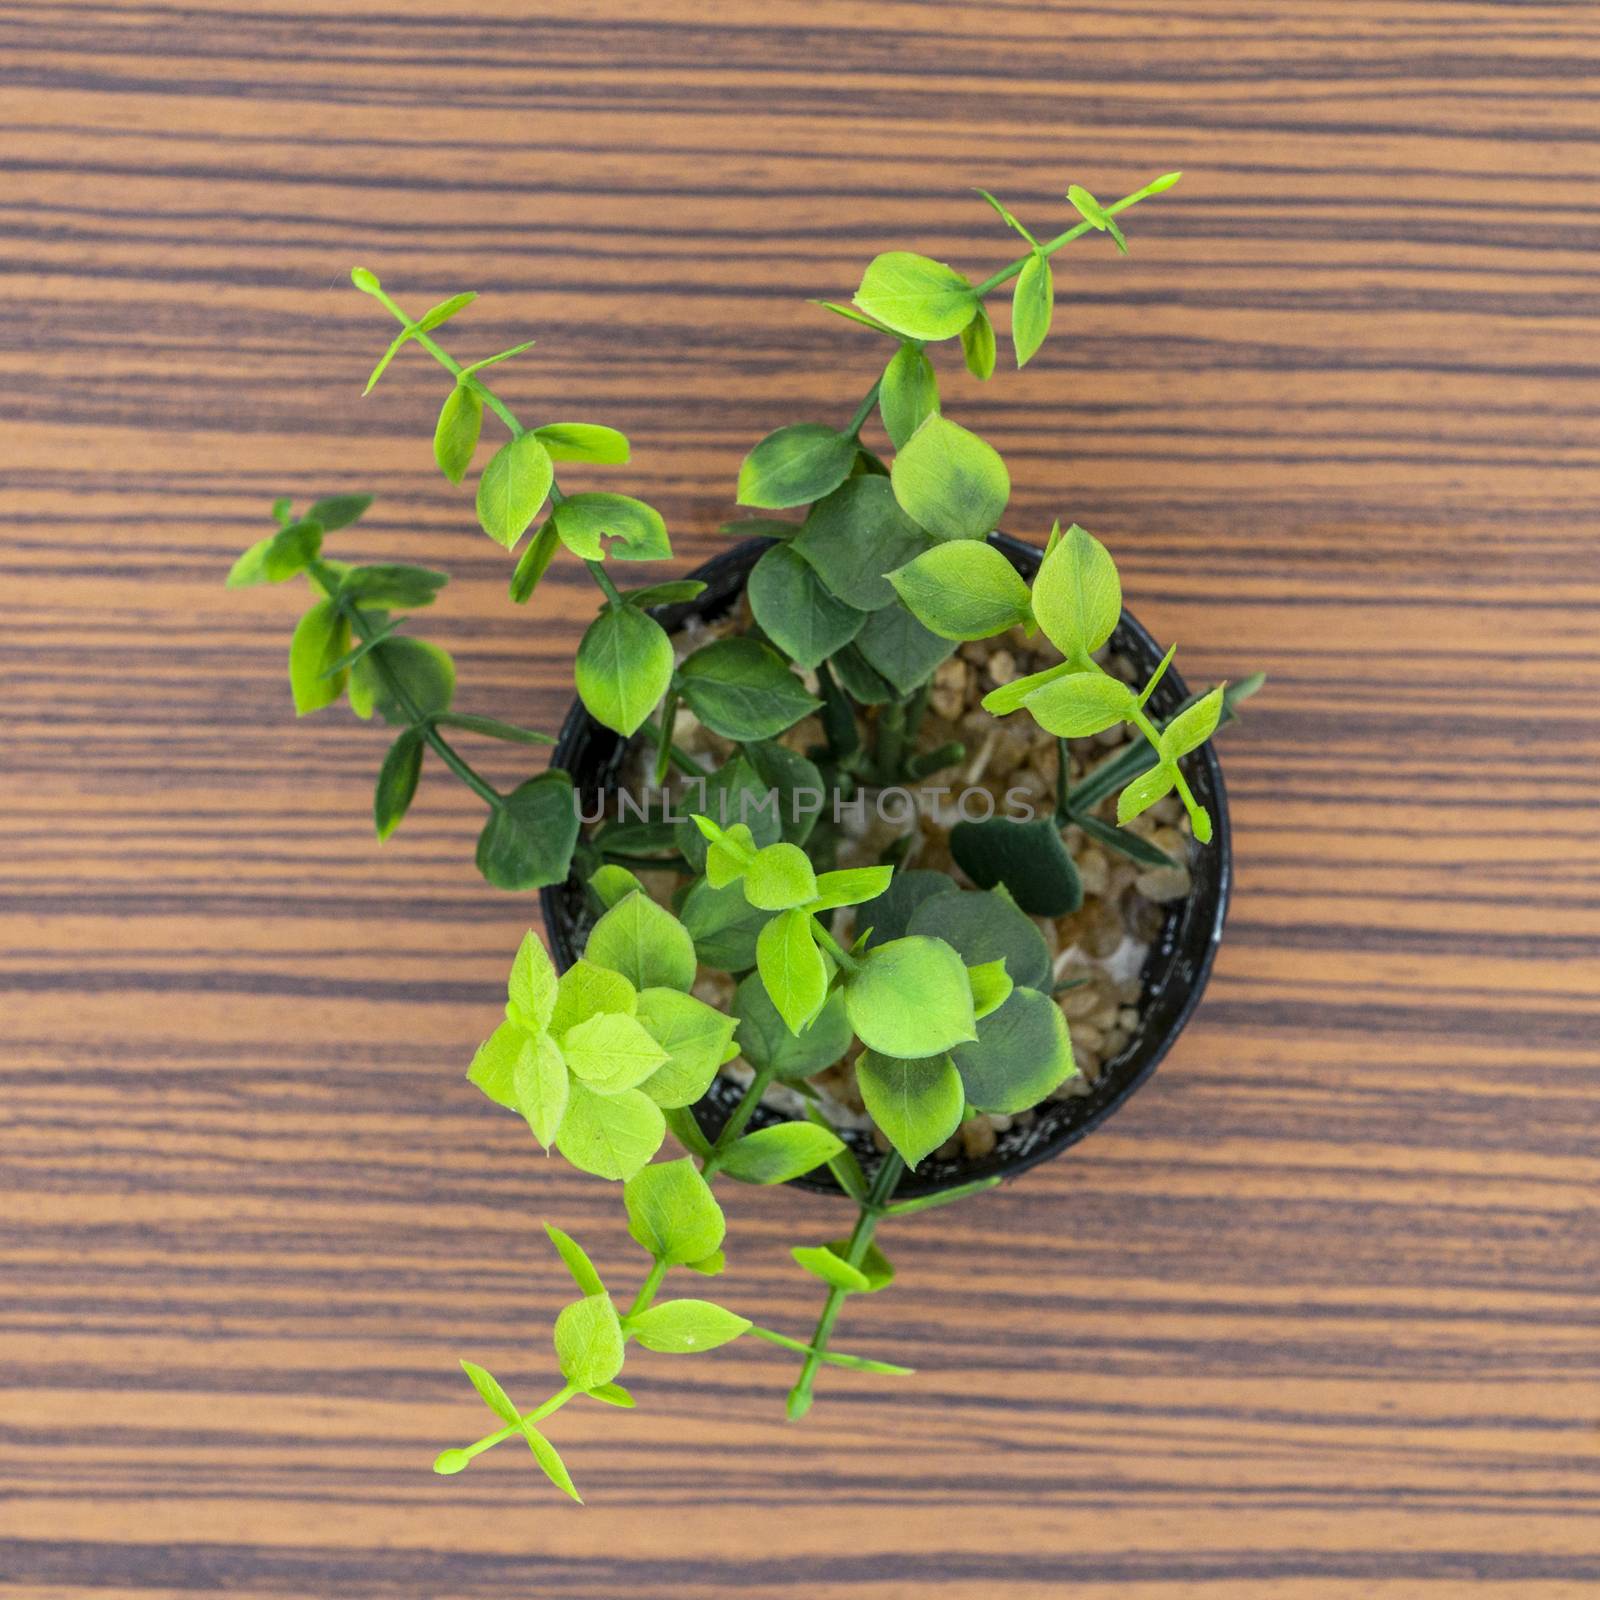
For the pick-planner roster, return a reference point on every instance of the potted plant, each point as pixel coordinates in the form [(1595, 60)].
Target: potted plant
[(757, 951)]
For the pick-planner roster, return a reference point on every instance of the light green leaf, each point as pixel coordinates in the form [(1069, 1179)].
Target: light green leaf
[(991, 988), (539, 1081), (493, 1396), (910, 998), (534, 562), (527, 841), (611, 1052), (821, 1262), (780, 877), (1096, 215), (494, 1064), (645, 943), (1028, 858), (612, 884), (1021, 1054), (916, 1103), (709, 1266), (950, 481), (792, 968), (672, 1213), (613, 1394), (784, 1151), (637, 531), (1077, 596), (531, 987), (765, 1039), (1144, 791), (916, 296), (397, 781), (850, 886), (495, 360), (684, 1327), (729, 853), (850, 314), (279, 556), (512, 488), (455, 436), (449, 1462), (1032, 302), (795, 466), (977, 345), (437, 316), (577, 1260), (588, 1340), (623, 667), (854, 536), (796, 610), (1081, 703), (742, 689), (320, 637), (943, 1197), (1190, 729), (909, 394), (963, 590), (696, 1037), (583, 441), (899, 648), (549, 1459), (1008, 697), (610, 1135)]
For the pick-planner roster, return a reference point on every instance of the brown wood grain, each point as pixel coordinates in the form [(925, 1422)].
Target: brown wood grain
[(1318, 1313)]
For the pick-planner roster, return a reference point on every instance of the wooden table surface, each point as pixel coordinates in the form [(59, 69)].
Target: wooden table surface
[(1318, 1313)]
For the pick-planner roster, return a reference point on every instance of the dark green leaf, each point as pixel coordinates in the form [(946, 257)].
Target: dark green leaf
[(455, 435), (987, 927), (909, 394), (856, 535), (735, 793), (1027, 857), (390, 585), (723, 925), (899, 648), (862, 682), (528, 840), (533, 563), (1132, 845), (492, 727), (338, 510), (743, 689), (1021, 1054), (794, 780), (665, 594), (397, 781), (765, 1038), (402, 679), (796, 610), (889, 916)]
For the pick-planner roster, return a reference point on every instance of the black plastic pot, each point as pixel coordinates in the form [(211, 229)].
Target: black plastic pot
[(1174, 974)]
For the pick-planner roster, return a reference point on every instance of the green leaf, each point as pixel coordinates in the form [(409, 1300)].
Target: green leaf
[(613, 1394), (612, 884), (909, 393), (588, 1340), (493, 1068), (1032, 302), (1132, 845), (708, 1266), (796, 610), (1021, 1054), (854, 536), (279, 556), (834, 1270), (623, 667), (611, 1052), (532, 986), (794, 466), (865, 685), (765, 1038), (1144, 791), (1077, 596), (834, 1358), (397, 781), (784, 1151), (742, 689), (549, 1459), (497, 1400), (963, 590), (1028, 858), (1190, 729), (455, 435), (899, 648), (889, 916), (577, 1261), (1009, 697), (977, 345), (320, 637), (495, 360), (449, 1462), (792, 968), (512, 488), (637, 531), (337, 511), (732, 850), (610, 1135), (910, 998), (696, 1037), (687, 1131), (539, 1081), (916, 296), (780, 877), (422, 670), (527, 841), (402, 587), (1096, 215), (1081, 703), (534, 562), (873, 1266), (759, 528), (583, 441), (916, 1103), (944, 1197), (950, 481), (492, 727), (684, 1327), (723, 925), (852, 315), (586, 990), (850, 886), (437, 316), (665, 594), (795, 781), (645, 943), (991, 987), (672, 1214)]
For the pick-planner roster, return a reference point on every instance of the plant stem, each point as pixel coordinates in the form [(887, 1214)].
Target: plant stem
[(737, 1119), (891, 740), (1063, 812), (832, 945), (598, 572), (647, 1289), (681, 759), (863, 411), (441, 746), (872, 1208)]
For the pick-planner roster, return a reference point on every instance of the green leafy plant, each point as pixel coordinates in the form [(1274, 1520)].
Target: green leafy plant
[(939, 997)]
